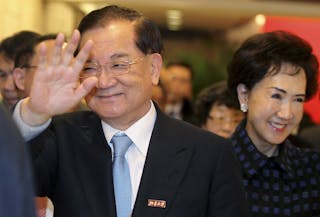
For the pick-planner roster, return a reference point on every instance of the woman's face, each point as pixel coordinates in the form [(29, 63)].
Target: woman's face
[(223, 120), (275, 105)]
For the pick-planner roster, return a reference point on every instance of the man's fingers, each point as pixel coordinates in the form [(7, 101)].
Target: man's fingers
[(82, 56), (85, 87), (42, 62), (70, 48), (56, 54)]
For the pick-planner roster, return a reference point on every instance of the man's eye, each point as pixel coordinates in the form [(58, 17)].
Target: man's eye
[(3, 75), (220, 118), (276, 96), (119, 65), (89, 68)]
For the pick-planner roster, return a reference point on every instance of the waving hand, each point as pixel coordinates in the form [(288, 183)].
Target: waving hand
[(56, 88)]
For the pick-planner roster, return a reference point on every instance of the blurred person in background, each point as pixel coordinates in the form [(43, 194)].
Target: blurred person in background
[(217, 110), (273, 74), (9, 47), (177, 82)]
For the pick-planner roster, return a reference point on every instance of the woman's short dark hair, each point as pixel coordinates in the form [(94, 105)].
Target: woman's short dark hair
[(148, 34), (267, 52), (216, 94)]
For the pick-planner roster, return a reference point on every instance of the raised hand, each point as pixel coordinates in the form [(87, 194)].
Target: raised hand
[(56, 88)]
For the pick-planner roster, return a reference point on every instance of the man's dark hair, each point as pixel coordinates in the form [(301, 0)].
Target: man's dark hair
[(24, 56), (182, 64), (11, 46), (148, 38)]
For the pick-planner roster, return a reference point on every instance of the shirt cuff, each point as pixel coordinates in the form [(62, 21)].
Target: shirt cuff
[(27, 131)]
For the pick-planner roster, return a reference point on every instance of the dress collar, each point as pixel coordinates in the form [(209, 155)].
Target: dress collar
[(252, 160)]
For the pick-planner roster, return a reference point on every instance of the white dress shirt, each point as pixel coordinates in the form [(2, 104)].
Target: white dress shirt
[(174, 110), (28, 132), (140, 134)]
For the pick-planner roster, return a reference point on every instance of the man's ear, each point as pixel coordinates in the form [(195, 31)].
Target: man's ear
[(19, 75), (243, 93), (156, 65)]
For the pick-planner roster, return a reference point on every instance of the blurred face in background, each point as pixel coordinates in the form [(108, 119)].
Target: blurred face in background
[(179, 83), (223, 120), (7, 86)]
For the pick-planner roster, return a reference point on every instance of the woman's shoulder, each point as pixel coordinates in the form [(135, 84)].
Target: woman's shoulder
[(302, 155)]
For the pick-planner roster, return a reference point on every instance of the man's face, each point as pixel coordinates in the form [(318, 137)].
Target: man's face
[(7, 86), (120, 100)]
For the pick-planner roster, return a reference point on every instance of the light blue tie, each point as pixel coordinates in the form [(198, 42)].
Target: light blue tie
[(121, 175)]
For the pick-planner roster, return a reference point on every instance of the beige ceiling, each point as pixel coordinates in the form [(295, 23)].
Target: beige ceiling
[(210, 14)]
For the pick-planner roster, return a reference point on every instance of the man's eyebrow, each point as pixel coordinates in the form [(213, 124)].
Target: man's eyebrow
[(119, 55), (113, 57)]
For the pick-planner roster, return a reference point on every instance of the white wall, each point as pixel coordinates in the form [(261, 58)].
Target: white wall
[(19, 15), (35, 15)]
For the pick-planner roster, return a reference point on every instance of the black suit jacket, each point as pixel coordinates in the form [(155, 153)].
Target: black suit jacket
[(193, 171), (16, 187)]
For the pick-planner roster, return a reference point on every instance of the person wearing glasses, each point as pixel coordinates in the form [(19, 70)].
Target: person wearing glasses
[(217, 110), (273, 74), (125, 157), (9, 47)]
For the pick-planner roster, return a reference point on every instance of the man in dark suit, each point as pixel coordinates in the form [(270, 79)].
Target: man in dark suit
[(178, 88), (173, 168), (9, 48), (16, 187)]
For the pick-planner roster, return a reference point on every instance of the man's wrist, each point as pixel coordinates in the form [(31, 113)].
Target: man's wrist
[(29, 116)]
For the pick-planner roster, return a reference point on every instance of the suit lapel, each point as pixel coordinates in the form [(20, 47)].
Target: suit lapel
[(166, 163), (94, 163)]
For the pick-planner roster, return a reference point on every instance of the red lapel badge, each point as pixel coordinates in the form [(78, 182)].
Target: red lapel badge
[(157, 203)]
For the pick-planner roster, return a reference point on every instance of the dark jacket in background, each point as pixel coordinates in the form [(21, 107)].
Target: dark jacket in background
[(16, 187)]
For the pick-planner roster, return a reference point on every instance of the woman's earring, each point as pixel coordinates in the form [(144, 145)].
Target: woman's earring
[(244, 107)]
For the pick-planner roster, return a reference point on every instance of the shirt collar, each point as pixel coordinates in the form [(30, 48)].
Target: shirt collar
[(173, 107), (139, 132)]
